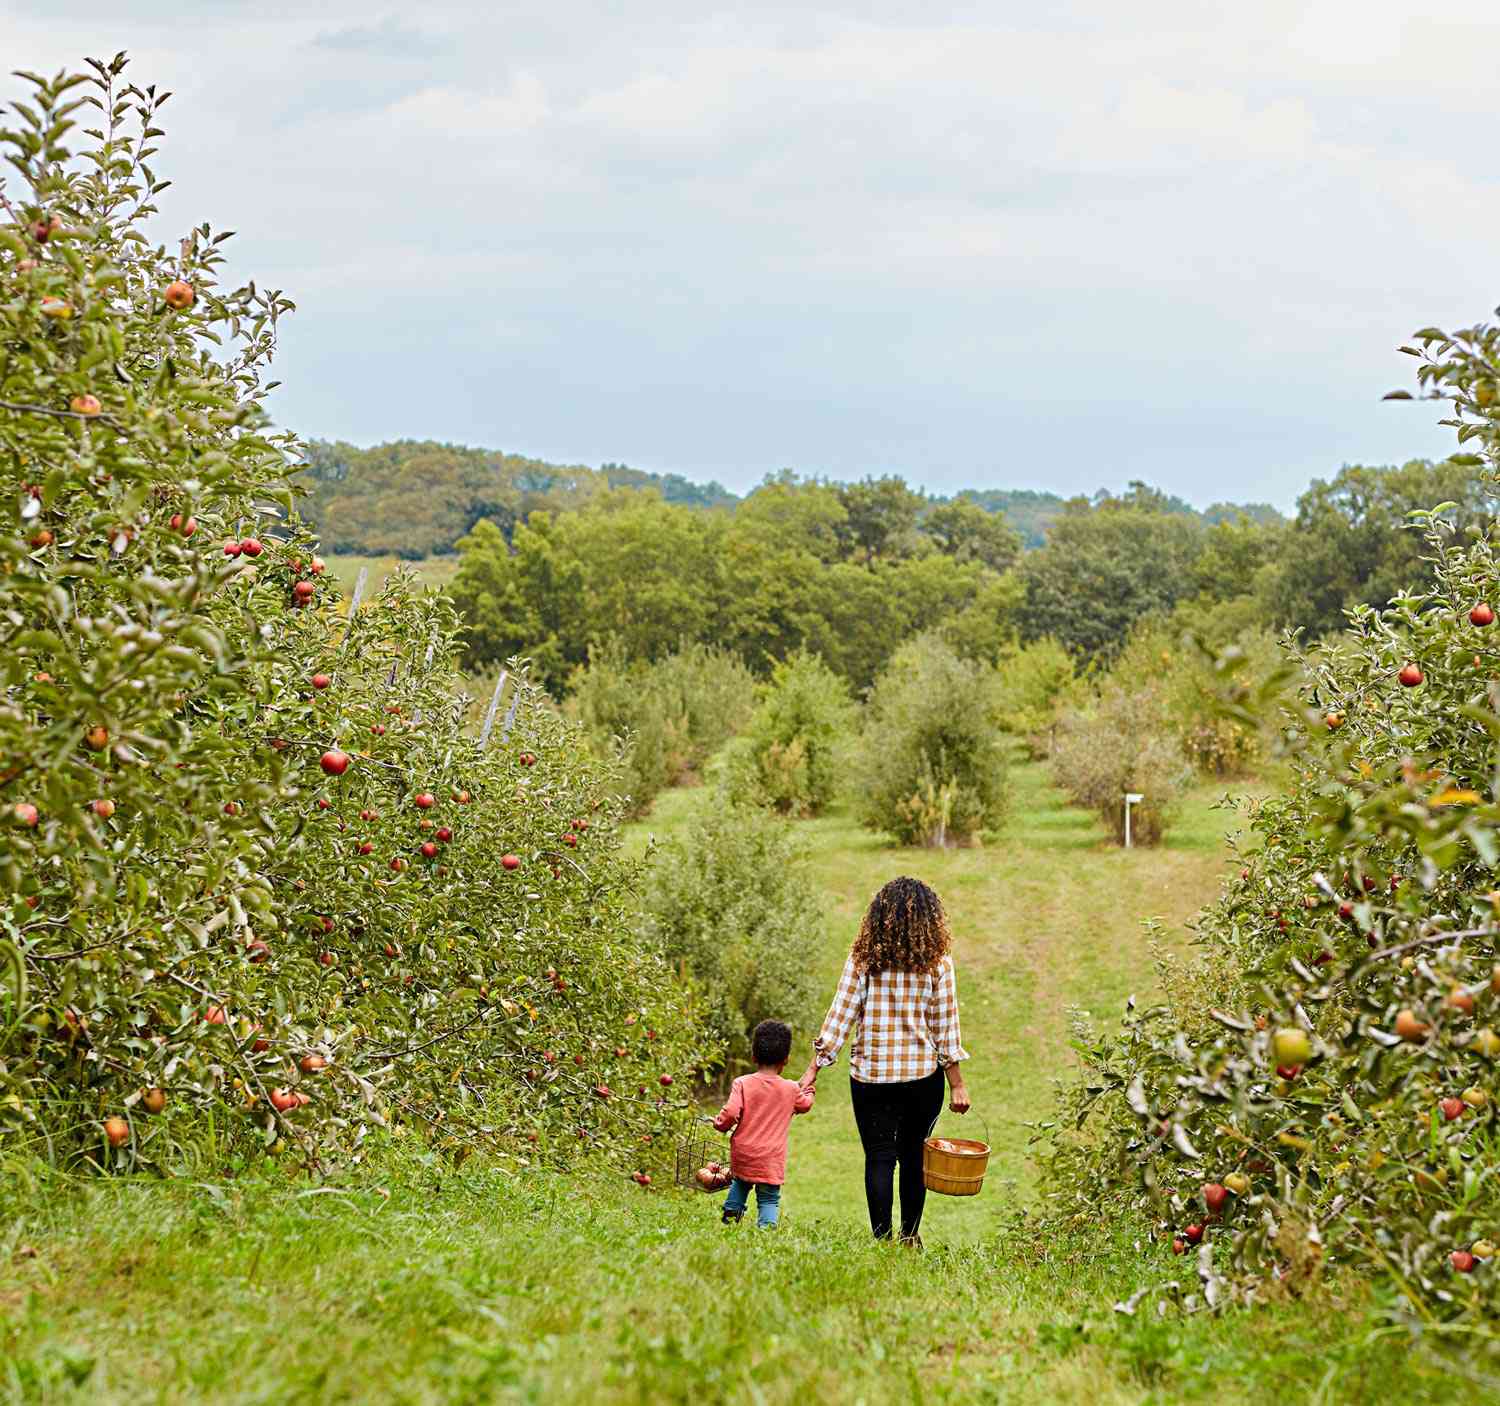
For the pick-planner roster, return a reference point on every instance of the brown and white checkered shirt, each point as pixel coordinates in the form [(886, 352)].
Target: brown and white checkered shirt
[(908, 1023)]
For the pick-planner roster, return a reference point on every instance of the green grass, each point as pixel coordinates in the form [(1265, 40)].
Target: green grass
[(423, 1286), (1046, 919), (410, 1283), (433, 571)]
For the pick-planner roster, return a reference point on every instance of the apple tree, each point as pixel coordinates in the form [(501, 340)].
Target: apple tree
[(263, 887), (1318, 1091)]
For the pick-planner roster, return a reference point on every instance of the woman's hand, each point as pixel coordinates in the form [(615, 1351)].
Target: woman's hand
[(809, 1080), (958, 1093)]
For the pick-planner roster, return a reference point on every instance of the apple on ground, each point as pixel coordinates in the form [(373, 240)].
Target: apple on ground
[(154, 1100), (117, 1130)]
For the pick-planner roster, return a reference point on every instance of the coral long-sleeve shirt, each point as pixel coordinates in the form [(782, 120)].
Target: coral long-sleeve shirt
[(760, 1109)]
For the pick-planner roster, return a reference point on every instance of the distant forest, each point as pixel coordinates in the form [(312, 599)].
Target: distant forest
[(416, 498)]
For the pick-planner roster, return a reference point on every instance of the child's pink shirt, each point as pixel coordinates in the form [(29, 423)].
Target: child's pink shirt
[(760, 1110)]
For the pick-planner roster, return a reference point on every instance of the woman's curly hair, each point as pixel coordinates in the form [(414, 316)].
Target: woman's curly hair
[(904, 929)]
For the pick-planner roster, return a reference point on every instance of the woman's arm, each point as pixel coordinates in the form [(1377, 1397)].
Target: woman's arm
[(942, 1019), (848, 1003)]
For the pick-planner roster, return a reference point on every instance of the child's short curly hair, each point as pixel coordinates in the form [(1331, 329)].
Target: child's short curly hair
[(771, 1042)]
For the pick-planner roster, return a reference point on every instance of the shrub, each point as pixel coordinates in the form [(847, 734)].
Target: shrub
[(791, 754), (220, 788), (1031, 686), (930, 766), (662, 719), (1183, 676), (1331, 1058), (1118, 744), (733, 904)]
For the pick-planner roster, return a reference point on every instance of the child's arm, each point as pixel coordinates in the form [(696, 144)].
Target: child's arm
[(804, 1099), (733, 1111)]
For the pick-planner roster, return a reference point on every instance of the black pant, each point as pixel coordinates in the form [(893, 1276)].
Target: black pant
[(894, 1120)]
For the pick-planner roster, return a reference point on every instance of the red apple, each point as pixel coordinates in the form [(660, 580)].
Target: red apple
[(1462, 1261), (429, 850), (179, 295), (231, 549), (602, 1090), (510, 861), (570, 839), (424, 800), (117, 1130), (334, 762), (1193, 1234), (443, 833), (366, 847), (316, 566), (85, 405), (321, 681), (665, 1081), (257, 950), (326, 959), (1410, 676), (25, 814), (251, 547), (398, 864), (311, 1063), (214, 1015), (377, 730), (1214, 1196), (303, 592), (1453, 1108), (283, 1099), (154, 1100), (1482, 615), (231, 807)]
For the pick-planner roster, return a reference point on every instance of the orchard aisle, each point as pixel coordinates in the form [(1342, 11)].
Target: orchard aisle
[(1046, 919)]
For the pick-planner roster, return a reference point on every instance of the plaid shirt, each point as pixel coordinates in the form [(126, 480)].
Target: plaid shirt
[(908, 1023)]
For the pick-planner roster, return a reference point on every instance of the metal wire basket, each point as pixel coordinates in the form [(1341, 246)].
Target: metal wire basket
[(696, 1150)]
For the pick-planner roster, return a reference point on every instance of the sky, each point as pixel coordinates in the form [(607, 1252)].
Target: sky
[(996, 245)]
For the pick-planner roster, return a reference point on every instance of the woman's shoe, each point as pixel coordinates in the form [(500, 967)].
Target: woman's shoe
[(913, 1242)]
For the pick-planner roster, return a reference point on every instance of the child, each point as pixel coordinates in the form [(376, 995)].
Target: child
[(760, 1110)]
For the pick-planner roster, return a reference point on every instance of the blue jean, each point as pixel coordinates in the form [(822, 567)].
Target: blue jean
[(767, 1201)]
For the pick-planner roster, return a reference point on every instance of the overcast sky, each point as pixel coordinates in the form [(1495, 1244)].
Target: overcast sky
[(1001, 245)]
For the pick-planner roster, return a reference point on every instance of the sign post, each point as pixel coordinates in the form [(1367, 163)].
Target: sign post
[(1132, 798)]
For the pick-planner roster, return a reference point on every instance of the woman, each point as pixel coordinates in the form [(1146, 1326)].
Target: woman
[(898, 987)]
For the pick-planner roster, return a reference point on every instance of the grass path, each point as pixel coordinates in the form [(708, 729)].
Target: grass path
[(1049, 917)]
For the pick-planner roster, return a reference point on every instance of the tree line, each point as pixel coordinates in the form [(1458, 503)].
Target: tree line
[(415, 498), (849, 571)]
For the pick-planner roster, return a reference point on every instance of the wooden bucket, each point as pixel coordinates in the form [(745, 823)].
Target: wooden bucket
[(955, 1166)]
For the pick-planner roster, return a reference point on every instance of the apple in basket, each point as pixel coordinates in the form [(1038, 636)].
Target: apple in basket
[(705, 1176)]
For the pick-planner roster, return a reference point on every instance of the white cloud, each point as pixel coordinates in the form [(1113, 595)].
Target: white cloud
[(1009, 240)]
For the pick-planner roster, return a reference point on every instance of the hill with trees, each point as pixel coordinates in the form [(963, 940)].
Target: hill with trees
[(415, 498)]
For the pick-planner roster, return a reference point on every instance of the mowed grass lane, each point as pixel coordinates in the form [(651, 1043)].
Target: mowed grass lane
[(1049, 917)]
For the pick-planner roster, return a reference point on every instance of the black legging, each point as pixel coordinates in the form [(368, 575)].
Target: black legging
[(894, 1120)]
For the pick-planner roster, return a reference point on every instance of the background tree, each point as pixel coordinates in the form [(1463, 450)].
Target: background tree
[(1354, 541), (1101, 570), (930, 764)]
